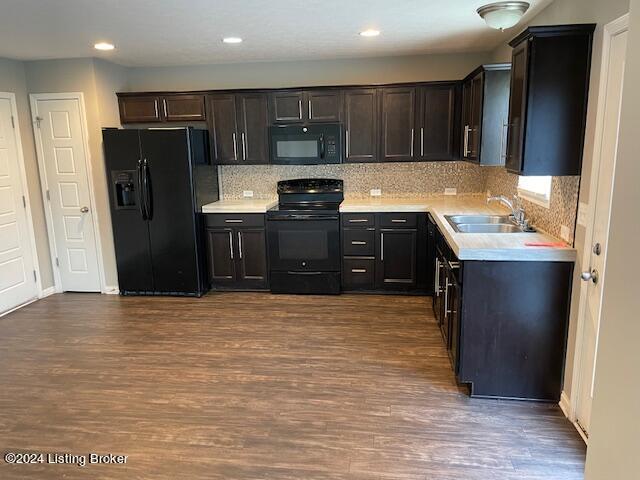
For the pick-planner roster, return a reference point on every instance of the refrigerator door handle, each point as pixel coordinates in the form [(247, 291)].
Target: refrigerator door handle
[(140, 186), (147, 189)]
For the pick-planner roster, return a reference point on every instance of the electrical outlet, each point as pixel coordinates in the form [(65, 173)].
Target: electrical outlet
[(376, 192), (565, 233), (450, 191), (583, 214), (247, 193)]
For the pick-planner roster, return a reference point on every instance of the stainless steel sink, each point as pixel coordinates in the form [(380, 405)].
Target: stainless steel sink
[(483, 224), (487, 228), (458, 219)]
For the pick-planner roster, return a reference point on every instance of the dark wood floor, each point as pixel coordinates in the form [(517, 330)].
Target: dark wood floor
[(259, 386)]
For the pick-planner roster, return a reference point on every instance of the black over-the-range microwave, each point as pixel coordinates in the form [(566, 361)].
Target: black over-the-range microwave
[(315, 144)]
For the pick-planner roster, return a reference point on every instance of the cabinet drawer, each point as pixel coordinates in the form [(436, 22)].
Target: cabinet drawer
[(397, 220), (358, 241), (358, 219), (358, 273), (232, 220)]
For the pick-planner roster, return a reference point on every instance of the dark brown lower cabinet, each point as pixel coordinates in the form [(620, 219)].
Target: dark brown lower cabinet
[(237, 255), (385, 252), (504, 323)]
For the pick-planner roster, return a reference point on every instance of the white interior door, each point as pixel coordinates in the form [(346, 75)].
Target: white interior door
[(596, 275), (18, 281), (63, 161)]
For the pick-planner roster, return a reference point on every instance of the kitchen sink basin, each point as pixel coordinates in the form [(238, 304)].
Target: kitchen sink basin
[(487, 228), (458, 219)]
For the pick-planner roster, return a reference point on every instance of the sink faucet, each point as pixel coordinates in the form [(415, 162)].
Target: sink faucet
[(517, 211)]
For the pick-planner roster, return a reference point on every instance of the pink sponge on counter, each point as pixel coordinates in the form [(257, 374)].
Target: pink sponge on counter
[(546, 244)]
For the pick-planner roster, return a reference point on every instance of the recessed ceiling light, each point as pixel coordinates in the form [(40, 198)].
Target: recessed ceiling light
[(370, 33), (104, 46), (232, 40)]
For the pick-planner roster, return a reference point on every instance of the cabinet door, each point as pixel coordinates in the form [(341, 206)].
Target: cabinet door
[(436, 113), (397, 261), (286, 106), (183, 108), (453, 313), (253, 119), (475, 126), (252, 257), (361, 125), (466, 117), (398, 124), (517, 107), (324, 106), (222, 129), (140, 109), (220, 256)]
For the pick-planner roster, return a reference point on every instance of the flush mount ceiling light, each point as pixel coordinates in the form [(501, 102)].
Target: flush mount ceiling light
[(104, 46), (503, 15), (232, 40), (370, 33)]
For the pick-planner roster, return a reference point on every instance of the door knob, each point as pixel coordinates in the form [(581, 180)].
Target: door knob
[(590, 276), (84, 209)]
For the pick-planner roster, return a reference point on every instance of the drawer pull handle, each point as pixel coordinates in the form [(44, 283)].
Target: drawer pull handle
[(358, 220), (398, 220), (358, 242), (231, 220), (358, 270)]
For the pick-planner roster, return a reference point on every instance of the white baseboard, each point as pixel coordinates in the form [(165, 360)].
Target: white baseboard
[(47, 291), (565, 405), (111, 290)]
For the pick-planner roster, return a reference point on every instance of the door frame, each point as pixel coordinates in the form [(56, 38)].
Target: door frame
[(569, 403), (44, 184), (25, 190)]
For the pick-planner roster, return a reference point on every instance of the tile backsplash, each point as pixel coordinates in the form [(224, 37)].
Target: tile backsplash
[(395, 179), (563, 206), (423, 179)]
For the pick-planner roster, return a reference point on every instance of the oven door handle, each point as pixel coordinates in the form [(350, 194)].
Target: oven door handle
[(291, 272), (321, 146), (304, 217)]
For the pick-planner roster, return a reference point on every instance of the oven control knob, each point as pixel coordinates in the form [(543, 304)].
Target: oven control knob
[(304, 264)]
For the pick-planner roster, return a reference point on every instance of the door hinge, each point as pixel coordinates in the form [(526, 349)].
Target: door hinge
[(48, 196), (37, 121), (57, 262), (24, 202), (13, 122), (35, 278)]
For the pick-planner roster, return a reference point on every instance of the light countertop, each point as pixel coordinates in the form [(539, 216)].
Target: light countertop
[(469, 246), (248, 205)]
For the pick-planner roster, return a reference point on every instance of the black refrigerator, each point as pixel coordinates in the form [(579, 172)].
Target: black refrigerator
[(158, 181)]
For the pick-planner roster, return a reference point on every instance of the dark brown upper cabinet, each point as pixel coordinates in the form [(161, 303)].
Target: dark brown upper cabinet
[(398, 123), (183, 108), (306, 106), (361, 125), (548, 105), (437, 122), (149, 108), (140, 109), (485, 108), (253, 127), (238, 127)]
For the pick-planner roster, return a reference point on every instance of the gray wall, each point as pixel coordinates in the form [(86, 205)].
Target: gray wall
[(614, 443), (306, 73)]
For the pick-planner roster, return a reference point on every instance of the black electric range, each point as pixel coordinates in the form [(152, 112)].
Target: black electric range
[(303, 235)]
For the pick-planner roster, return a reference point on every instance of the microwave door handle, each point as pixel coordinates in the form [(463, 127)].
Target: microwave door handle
[(322, 146)]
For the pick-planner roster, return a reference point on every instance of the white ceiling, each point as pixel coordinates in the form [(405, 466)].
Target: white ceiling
[(174, 32)]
